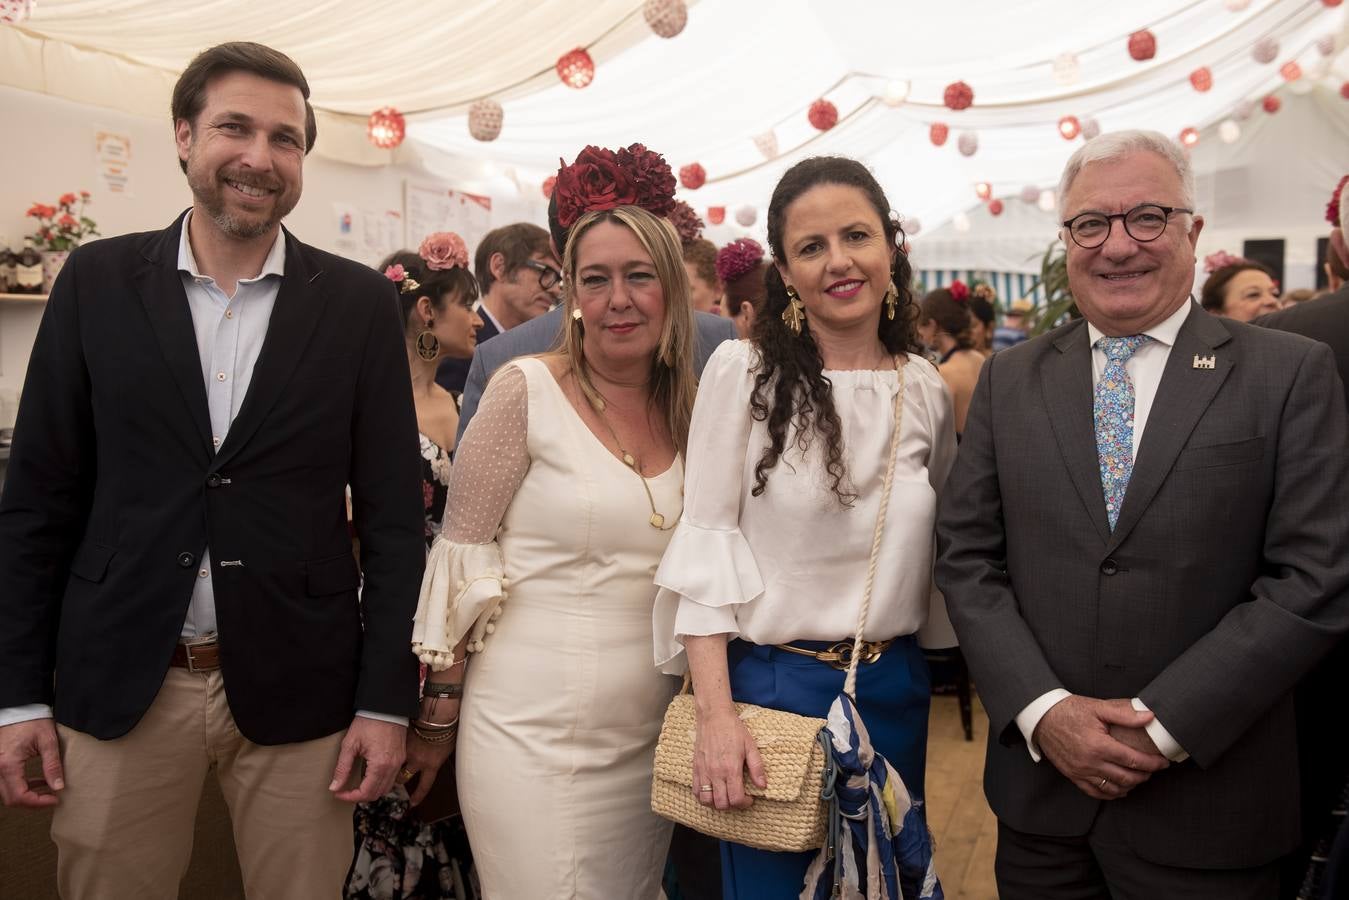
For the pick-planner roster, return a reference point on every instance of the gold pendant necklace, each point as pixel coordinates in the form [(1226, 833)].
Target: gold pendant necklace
[(657, 521)]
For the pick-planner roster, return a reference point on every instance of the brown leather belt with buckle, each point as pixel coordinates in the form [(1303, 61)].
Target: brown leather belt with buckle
[(197, 656), (840, 655)]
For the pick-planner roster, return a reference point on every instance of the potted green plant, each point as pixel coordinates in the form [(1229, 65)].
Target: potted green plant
[(1053, 278), (61, 228)]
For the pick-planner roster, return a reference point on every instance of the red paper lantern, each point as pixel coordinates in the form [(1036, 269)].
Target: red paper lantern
[(484, 120), (576, 69), (1201, 79), (386, 128), (1271, 104), (938, 133), (692, 176), (1069, 127), (1142, 45), (1344, 90), (983, 190), (958, 95), (995, 207), (1189, 137), (823, 115), (1290, 71), (716, 214), (548, 184), (1331, 3)]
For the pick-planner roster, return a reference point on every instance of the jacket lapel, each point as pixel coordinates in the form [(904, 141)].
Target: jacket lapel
[(1065, 379), (299, 305), (161, 291), (1183, 395)]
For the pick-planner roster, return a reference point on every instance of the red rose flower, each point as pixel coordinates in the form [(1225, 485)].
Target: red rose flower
[(686, 222), (67, 199), (960, 292), (595, 181), (651, 176), (443, 250), (67, 221)]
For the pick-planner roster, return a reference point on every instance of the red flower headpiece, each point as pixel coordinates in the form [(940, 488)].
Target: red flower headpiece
[(443, 250), (603, 179), (399, 276), (687, 222), (960, 292), (1333, 207), (1215, 261), (738, 257)]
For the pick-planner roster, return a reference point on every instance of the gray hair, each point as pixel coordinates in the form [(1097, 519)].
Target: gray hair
[(1116, 144)]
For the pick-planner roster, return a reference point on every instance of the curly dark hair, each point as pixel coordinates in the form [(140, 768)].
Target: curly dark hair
[(790, 388)]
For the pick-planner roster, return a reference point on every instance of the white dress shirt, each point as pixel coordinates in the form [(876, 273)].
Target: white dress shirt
[(1145, 369)]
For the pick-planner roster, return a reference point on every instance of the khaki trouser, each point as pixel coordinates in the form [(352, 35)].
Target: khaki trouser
[(123, 828)]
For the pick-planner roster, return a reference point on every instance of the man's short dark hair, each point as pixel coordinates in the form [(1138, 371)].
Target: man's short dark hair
[(516, 243), (189, 94)]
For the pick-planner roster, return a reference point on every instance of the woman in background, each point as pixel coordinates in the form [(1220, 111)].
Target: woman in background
[(944, 324), (741, 267), (1237, 288)]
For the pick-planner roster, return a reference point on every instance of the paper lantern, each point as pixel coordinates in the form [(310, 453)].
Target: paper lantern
[(1067, 69), (1244, 110), (958, 95), (692, 176), (983, 190), (1189, 137), (767, 144), (666, 17), (746, 215), (1331, 3), (1142, 45), (576, 68), (937, 134), (716, 214), (1306, 84), (1325, 45), (1030, 193), (1229, 132), (1236, 5), (895, 93), (960, 222), (1265, 50), (16, 11), (1344, 90), (1069, 127), (386, 128), (1201, 79), (823, 115), (1091, 129), (548, 184), (1290, 71), (911, 225), (484, 120), (1271, 104), (995, 207), (967, 143), (1049, 201)]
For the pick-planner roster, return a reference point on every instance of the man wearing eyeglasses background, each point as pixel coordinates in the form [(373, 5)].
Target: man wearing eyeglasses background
[(1142, 550), (519, 278)]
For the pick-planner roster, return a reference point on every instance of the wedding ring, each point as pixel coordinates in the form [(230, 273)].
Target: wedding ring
[(705, 789), (1104, 782), (404, 775)]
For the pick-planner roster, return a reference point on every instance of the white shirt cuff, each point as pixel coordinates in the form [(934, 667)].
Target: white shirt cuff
[(1028, 718), (383, 717), (1166, 744), (13, 715)]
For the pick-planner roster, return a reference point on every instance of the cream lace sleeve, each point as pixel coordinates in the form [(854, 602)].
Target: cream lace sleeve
[(465, 584)]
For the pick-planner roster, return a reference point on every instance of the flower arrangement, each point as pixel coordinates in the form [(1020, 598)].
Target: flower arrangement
[(1333, 207), (687, 222), (62, 227), (603, 179), (443, 250), (1215, 261), (738, 257), (960, 292)]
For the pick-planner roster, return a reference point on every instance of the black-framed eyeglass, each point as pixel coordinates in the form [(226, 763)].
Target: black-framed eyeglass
[(548, 276), (1143, 223)]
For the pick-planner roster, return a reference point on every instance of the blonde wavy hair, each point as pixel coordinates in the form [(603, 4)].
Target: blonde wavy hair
[(673, 383)]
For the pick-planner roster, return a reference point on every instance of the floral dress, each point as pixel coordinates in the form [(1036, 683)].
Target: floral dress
[(397, 856)]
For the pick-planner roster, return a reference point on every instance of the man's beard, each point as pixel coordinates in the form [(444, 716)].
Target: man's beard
[(209, 191)]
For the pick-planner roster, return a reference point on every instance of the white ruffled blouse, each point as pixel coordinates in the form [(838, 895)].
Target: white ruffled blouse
[(791, 563)]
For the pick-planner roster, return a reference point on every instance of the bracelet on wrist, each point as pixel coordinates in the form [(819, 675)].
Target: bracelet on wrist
[(432, 691)]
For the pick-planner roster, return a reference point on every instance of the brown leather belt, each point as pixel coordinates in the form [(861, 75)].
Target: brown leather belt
[(840, 655), (197, 656)]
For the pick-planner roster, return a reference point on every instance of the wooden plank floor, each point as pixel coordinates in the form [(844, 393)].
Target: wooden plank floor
[(964, 828)]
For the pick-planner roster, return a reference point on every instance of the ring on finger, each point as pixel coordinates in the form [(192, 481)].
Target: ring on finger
[(1104, 782), (405, 775), (705, 789)]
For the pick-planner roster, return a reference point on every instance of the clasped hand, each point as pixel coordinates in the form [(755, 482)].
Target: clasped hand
[(722, 750), (1100, 745)]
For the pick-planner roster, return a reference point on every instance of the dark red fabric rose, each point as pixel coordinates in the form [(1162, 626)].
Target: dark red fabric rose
[(652, 177), (595, 181), (1333, 207), (686, 222)]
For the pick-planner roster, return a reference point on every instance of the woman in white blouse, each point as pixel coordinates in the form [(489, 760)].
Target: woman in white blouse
[(761, 585)]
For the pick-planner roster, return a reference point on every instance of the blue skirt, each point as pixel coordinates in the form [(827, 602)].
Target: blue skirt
[(893, 695)]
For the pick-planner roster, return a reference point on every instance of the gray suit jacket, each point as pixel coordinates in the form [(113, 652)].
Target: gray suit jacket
[(1224, 580), (541, 334)]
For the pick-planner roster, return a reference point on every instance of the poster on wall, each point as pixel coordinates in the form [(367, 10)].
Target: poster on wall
[(432, 208), (364, 234), (112, 162)]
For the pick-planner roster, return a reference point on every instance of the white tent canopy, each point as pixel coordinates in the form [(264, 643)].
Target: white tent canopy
[(742, 68)]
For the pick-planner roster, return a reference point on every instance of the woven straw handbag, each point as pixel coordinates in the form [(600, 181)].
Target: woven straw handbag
[(791, 812)]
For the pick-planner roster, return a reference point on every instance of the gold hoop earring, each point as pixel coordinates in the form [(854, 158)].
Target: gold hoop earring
[(794, 316), (428, 345), (891, 300)]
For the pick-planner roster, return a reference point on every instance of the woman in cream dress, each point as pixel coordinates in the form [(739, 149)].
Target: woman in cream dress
[(562, 497)]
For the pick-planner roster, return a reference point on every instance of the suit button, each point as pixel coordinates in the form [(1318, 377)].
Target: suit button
[(213, 480), (186, 560), (1109, 567)]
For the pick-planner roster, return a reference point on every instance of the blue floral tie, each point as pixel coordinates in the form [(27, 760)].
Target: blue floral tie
[(1113, 411)]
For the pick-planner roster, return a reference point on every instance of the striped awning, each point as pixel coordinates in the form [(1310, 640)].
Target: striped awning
[(1009, 285)]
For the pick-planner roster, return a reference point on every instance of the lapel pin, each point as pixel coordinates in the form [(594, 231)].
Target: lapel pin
[(1205, 362)]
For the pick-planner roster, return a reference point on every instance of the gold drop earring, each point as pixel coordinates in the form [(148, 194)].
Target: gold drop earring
[(795, 313), (891, 299), (428, 345)]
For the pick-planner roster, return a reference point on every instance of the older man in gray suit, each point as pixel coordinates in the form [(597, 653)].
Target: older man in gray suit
[(1143, 547)]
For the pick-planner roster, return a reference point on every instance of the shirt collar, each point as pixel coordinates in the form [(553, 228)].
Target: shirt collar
[(274, 264), (1164, 332), (482, 309)]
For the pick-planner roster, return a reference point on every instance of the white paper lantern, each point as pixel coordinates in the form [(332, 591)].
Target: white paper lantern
[(1067, 69), (767, 144), (15, 11), (968, 143), (666, 17), (1229, 132), (1236, 5), (1030, 194), (1091, 129), (746, 215), (1265, 51), (1304, 85), (911, 225), (484, 120), (1245, 109), (1049, 201), (1325, 45), (895, 92), (961, 223)]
